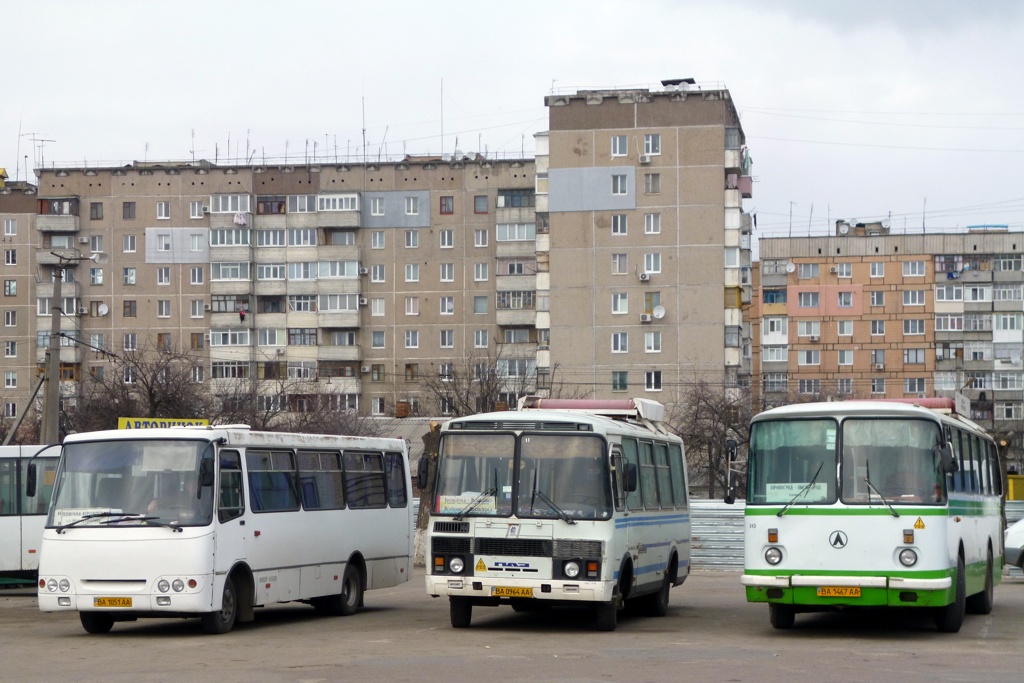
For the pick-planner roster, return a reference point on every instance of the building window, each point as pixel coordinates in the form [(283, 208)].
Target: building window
[(95, 211), (878, 385), (808, 299), (163, 308), (412, 339), (481, 272), (652, 223), (377, 339), (479, 305), (619, 185), (163, 242), (412, 239), (10, 287), (652, 380), (846, 357), (913, 385), (447, 239), (877, 298), (620, 146), (195, 210), (652, 144), (480, 204), (129, 276), (302, 237), (447, 340), (447, 205), (620, 380), (376, 206), (447, 272), (10, 349), (10, 257), (652, 263), (447, 305), (844, 270), (412, 206), (128, 211), (412, 305), (163, 276), (377, 306), (10, 318), (809, 387), (913, 327), (913, 297), (877, 328), (620, 342), (845, 328), (845, 299), (652, 342), (412, 272), (301, 336), (809, 357), (807, 271), (163, 211), (480, 339), (652, 183), (619, 224), (377, 273), (877, 269), (913, 268), (808, 328), (620, 264), (130, 341), (620, 302), (196, 275)]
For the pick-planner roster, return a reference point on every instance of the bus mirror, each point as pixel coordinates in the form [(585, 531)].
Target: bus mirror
[(730, 449), (423, 472), (30, 481), (948, 462), (729, 498), (629, 477), (206, 472)]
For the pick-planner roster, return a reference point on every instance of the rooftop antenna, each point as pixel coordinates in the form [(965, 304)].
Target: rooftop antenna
[(193, 150), (809, 221), (924, 210), (442, 116), (145, 153), (383, 143), (247, 130), (364, 130), (41, 144)]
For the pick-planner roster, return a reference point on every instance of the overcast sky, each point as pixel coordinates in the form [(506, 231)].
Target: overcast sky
[(852, 110)]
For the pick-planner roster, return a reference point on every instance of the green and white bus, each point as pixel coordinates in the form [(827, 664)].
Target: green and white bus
[(871, 504)]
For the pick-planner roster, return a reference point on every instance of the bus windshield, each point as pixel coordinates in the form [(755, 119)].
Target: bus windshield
[(894, 459), (792, 461), (556, 476), (112, 483)]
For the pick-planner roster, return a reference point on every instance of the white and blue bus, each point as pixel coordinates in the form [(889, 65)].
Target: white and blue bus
[(872, 503), (560, 502), (212, 522), (22, 516)]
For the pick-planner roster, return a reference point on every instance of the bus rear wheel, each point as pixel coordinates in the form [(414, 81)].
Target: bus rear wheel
[(950, 618), (781, 616), (223, 620), (94, 622)]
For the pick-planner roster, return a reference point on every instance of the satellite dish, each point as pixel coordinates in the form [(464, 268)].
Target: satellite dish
[(844, 228), (659, 312), (790, 267), (103, 309)]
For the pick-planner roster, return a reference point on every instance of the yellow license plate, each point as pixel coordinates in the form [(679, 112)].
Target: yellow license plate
[(111, 602), (511, 592), (839, 592)]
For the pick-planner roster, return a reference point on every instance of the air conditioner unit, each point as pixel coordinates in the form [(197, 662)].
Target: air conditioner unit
[(644, 277), (83, 240), (646, 317), (82, 310), (365, 369), (363, 301), (280, 352), (207, 307), (206, 209), (833, 270), (815, 340), (206, 336), (879, 366), (645, 159), (364, 271)]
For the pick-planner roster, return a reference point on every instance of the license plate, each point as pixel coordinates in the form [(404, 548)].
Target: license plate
[(839, 592), (111, 602), (511, 592)]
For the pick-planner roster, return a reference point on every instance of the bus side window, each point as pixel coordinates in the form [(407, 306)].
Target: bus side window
[(634, 499), (394, 470), (230, 503), (648, 476), (676, 465), (8, 487)]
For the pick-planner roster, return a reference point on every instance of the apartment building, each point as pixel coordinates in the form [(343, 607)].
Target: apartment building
[(865, 313), (614, 263), (17, 215)]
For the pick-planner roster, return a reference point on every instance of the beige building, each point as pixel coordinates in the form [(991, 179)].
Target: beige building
[(615, 263)]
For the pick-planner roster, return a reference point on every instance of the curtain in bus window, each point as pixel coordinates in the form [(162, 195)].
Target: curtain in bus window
[(634, 499), (892, 458), (394, 469), (364, 480), (320, 480)]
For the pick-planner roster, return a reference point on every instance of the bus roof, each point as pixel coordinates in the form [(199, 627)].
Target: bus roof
[(891, 407), (557, 421), (239, 435)]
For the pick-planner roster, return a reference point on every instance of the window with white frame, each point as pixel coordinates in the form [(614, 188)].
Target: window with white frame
[(163, 210), (620, 264), (845, 356), (652, 223), (412, 239), (949, 322), (877, 328), (447, 272), (808, 328), (377, 239), (95, 276), (130, 341), (337, 202), (913, 297), (652, 380), (377, 272), (516, 232), (10, 380), (845, 328), (1008, 291), (913, 268), (447, 340), (96, 243), (620, 224), (412, 339), (303, 270), (163, 242), (447, 239), (479, 305), (271, 271), (230, 203), (197, 308), (412, 206), (128, 244), (447, 305), (338, 302), (620, 342), (163, 275), (877, 298), (480, 339), (230, 237), (773, 354), (808, 299), (845, 299), (809, 357), (10, 349), (652, 144), (412, 272), (1008, 321), (807, 271), (775, 382), (10, 318), (619, 184), (652, 342), (976, 293), (481, 272), (10, 227), (913, 385), (652, 183), (302, 237), (652, 262), (271, 238), (196, 275), (949, 293), (844, 386), (376, 206), (620, 302), (809, 387), (163, 308), (128, 276), (230, 337), (844, 269), (913, 327), (620, 146), (195, 209), (337, 269), (412, 305), (774, 325), (480, 237), (913, 356)]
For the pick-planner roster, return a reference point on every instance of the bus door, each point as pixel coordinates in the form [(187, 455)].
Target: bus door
[(10, 520), (232, 532)]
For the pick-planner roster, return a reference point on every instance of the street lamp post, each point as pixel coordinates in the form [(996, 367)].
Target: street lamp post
[(49, 429)]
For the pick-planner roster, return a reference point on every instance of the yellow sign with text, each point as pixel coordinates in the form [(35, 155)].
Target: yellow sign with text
[(158, 422)]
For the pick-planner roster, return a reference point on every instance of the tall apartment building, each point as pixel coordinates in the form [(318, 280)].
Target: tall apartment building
[(17, 214), (869, 314), (615, 263)]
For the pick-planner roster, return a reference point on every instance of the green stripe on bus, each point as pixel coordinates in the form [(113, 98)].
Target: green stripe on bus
[(850, 512)]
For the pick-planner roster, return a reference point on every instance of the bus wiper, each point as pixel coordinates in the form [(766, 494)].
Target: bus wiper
[(95, 515), (550, 503), (475, 502), (801, 491), (143, 519), (867, 480)]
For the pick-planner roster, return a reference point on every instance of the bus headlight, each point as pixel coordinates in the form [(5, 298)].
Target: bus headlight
[(64, 585), (773, 556), (178, 585), (163, 586), (51, 585), (908, 558), (456, 565), (571, 569)]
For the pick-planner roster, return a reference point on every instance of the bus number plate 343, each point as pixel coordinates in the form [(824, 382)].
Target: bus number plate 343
[(111, 602), (511, 592), (839, 592)]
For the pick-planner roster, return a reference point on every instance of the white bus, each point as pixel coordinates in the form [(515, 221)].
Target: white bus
[(212, 522), (22, 517), (562, 501), (872, 503)]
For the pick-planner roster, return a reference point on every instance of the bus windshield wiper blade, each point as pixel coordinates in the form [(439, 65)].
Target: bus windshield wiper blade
[(95, 515), (473, 503), (143, 519), (547, 500), (877, 493), (801, 491)]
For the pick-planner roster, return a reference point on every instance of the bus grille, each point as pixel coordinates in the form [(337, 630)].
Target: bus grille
[(449, 546), (516, 547), (570, 549), (451, 527)]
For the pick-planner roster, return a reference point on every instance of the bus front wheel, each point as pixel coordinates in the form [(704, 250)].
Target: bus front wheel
[(607, 616), (781, 616), (461, 612), (223, 620), (94, 622), (950, 618)]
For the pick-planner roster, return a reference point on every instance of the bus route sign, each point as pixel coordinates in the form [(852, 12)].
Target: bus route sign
[(159, 422)]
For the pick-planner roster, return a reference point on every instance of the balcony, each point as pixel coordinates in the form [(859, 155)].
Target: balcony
[(517, 317), (57, 223), (746, 186), (349, 353), (332, 319), (338, 219)]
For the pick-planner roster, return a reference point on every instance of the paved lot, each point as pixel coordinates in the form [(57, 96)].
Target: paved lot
[(711, 634)]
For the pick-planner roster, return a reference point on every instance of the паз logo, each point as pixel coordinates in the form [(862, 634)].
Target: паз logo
[(838, 540)]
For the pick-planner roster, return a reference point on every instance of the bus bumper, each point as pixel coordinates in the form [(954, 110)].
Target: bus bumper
[(490, 591), (863, 591), (149, 601)]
